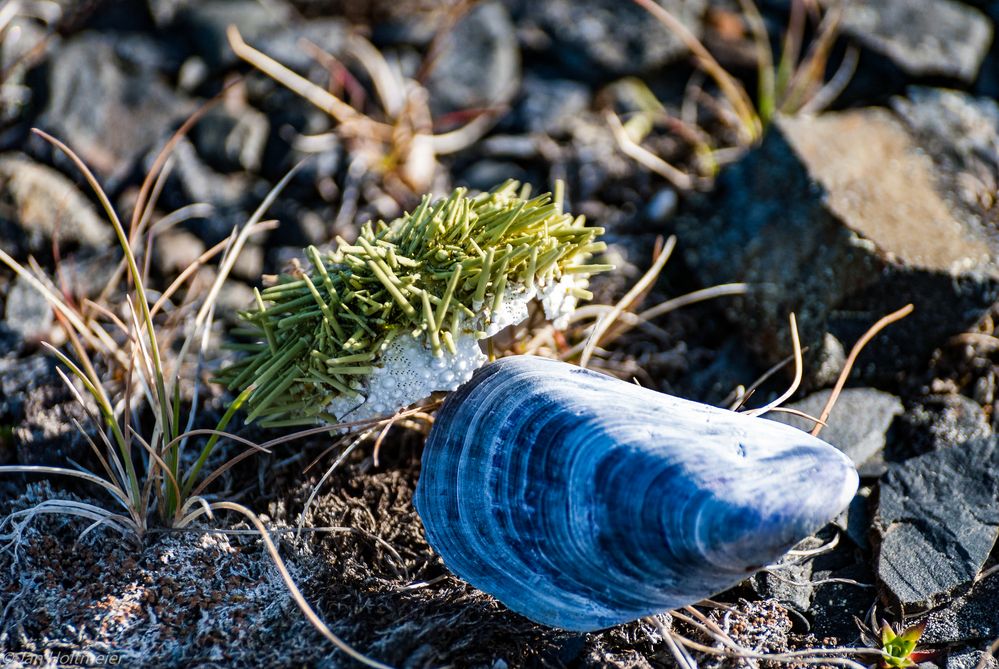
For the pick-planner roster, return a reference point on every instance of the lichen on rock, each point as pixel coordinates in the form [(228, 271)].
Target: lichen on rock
[(375, 325)]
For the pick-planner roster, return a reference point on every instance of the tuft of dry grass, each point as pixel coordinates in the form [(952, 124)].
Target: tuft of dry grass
[(795, 84), (397, 140)]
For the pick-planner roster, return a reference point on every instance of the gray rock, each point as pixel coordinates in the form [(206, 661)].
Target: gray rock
[(205, 23), (841, 595), (937, 521), (789, 582), (922, 37), (858, 424), (940, 421), (971, 617), (662, 205), (34, 400), (971, 659), (598, 38), (23, 38), (108, 110), (551, 105), (479, 65), (842, 218), (27, 312), (232, 140), (176, 250), (44, 203)]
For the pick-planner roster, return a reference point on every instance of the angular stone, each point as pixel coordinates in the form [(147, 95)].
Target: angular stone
[(969, 618), (858, 424), (922, 37), (937, 521), (842, 218)]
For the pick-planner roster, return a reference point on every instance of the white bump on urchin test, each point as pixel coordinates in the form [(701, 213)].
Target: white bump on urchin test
[(512, 309), (409, 371), (558, 300)]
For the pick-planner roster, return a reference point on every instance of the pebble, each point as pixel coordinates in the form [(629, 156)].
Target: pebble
[(937, 521), (858, 424)]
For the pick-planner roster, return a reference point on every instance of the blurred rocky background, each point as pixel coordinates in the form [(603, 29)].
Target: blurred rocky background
[(858, 172)]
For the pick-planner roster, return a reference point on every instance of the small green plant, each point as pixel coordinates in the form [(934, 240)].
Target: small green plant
[(899, 647), (386, 320), (146, 472), (793, 85)]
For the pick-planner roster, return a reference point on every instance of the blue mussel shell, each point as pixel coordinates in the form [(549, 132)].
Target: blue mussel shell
[(581, 501)]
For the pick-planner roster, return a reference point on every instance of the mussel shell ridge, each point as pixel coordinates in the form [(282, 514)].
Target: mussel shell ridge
[(581, 501)]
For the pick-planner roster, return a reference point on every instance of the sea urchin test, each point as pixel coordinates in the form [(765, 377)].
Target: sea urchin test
[(381, 323), (582, 501)]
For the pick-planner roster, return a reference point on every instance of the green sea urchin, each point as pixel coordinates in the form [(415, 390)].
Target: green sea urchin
[(376, 325)]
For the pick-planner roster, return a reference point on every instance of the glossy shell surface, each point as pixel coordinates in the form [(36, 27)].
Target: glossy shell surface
[(581, 501)]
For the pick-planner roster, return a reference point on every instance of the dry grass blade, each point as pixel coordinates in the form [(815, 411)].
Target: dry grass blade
[(733, 650), (329, 472), (296, 594), (646, 158), (882, 323), (988, 655), (798, 371), (733, 91), (643, 284), (321, 98), (627, 321)]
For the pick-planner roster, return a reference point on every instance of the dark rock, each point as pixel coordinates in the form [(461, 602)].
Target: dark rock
[(971, 617), (232, 140), (485, 174), (819, 225), (836, 603), (232, 196), (856, 520), (107, 109), (206, 22), (924, 38), (39, 409), (284, 43), (789, 582), (479, 65), (971, 659), (937, 521), (857, 425), (940, 421), (27, 312), (42, 203), (551, 105), (604, 38)]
